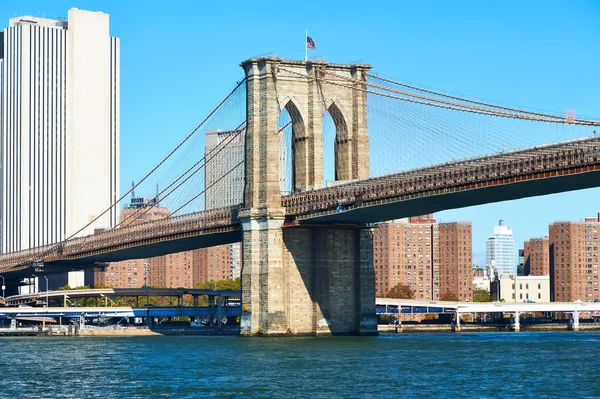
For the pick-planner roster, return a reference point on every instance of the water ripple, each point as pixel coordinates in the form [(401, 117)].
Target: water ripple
[(486, 365)]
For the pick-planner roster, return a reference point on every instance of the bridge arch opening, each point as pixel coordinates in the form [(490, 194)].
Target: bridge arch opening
[(337, 165), (293, 173)]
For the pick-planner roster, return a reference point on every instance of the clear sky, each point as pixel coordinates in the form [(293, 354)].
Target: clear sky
[(179, 58)]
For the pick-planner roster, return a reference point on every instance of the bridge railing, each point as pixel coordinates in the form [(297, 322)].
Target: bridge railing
[(154, 230), (547, 158), (217, 218)]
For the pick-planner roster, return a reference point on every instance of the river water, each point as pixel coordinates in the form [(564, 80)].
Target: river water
[(459, 365)]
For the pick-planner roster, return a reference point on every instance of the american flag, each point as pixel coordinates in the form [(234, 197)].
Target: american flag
[(310, 43)]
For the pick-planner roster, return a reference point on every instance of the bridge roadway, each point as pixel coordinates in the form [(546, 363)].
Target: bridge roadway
[(540, 170)]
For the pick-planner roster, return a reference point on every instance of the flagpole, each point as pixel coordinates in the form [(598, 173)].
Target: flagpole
[(306, 46)]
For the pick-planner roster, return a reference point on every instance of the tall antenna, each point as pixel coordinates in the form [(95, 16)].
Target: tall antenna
[(156, 196), (132, 191)]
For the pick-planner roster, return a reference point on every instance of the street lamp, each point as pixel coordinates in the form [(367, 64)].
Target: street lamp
[(3, 287), (46, 289)]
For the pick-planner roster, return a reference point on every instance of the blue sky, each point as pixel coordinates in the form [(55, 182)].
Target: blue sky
[(179, 58)]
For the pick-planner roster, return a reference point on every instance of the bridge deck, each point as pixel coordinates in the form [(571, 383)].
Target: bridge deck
[(540, 170)]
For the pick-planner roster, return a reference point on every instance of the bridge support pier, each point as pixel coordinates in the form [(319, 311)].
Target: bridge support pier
[(305, 280), (517, 324), (575, 325), (456, 325)]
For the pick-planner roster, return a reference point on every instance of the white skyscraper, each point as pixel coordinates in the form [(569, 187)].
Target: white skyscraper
[(500, 250), (59, 128), (224, 181)]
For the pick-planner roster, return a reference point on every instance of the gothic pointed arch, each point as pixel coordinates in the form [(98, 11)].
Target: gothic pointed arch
[(342, 144), (298, 148)]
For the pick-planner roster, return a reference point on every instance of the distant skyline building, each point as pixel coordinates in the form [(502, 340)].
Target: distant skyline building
[(59, 129), (500, 250), (224, 186), (224, 182)]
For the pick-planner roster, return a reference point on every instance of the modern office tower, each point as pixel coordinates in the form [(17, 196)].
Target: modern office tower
[(224, 182), (574, 260), (536, 254), (59, 129), (427, 257), (456, 259), (223, 174), (500, 250)]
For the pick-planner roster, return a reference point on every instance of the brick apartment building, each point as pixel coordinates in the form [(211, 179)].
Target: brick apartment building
[(428, 257), (536, 257), (573, 254), (173, 270)]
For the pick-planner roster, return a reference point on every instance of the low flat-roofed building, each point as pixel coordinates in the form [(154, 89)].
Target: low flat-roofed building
[(521, 288)]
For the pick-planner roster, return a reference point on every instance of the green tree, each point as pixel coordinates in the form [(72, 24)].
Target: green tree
[(449, 296), (400, 291), (480, 295), (221, 285)]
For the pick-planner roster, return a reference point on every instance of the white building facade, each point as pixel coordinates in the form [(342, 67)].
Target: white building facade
[(500, 250), (59, 128), (521, 288), (223, 173)]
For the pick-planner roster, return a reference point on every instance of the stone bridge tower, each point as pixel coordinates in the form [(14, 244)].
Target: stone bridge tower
[(304, 279)]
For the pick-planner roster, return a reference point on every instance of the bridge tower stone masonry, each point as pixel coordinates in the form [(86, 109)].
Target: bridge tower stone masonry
[(304, 280)]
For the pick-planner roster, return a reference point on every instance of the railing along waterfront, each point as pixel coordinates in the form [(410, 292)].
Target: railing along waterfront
[(451, 175), (217, 219)]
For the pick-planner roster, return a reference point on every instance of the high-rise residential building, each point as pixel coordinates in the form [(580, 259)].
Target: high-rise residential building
[(428, 257), (59, 129), (574, 260), (172, 270), (456, 259), (403, 253), (500, 250), (536, 254)]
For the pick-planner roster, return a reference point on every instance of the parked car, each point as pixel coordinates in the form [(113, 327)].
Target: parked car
[(197, 323)]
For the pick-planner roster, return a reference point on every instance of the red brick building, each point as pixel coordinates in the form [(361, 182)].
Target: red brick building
[(574, 261), (456, 259), (536, 254), (428, 257), (173, 270)]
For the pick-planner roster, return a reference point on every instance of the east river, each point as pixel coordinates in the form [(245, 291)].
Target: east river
[(460, 365)]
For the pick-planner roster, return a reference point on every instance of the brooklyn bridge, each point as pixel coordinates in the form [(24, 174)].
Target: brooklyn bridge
[(395, 150)]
